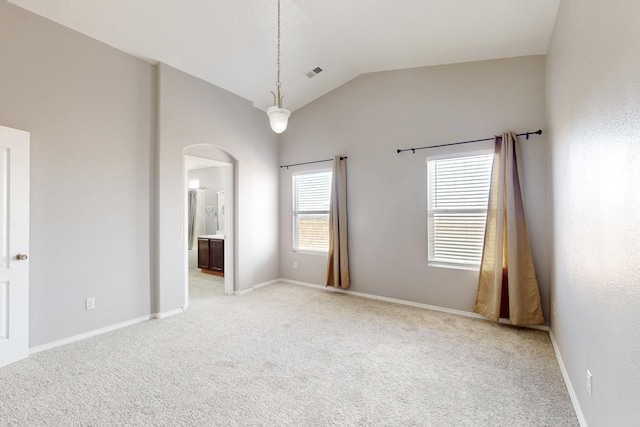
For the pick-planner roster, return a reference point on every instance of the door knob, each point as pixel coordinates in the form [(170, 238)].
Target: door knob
[(22, 257)]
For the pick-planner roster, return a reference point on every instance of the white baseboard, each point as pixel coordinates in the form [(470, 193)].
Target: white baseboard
[(243, 291), (567, 381), (169, 313), (49, 346), (263, 284), (257, 286), (69, 340), (164, 315), (405, 302), (508, 322)]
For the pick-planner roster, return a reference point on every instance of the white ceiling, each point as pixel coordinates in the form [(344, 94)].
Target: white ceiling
[(232, 43)]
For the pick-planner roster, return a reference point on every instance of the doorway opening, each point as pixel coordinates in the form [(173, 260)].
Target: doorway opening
[(208, 225)]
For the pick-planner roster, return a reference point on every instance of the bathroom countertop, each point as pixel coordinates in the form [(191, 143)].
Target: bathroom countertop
[(213, 236)]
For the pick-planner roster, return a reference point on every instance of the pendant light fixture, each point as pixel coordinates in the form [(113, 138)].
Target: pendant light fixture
[(278, 116)]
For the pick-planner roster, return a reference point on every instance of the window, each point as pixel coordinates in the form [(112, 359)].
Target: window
[(311, 198), (458, 193), (194, 184)]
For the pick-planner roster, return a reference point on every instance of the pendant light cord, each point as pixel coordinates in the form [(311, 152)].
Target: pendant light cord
[(278, 116), (278, 84)]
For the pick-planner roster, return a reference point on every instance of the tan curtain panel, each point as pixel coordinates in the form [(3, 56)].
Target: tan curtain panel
[(507, 284), (338, 259)]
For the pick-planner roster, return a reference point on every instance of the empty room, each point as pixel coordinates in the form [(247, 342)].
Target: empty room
[(297, 213)]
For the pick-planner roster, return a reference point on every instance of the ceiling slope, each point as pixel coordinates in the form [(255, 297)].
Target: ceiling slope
[(232, 43)]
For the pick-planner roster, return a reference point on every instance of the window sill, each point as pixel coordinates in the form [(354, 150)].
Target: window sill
[(468, 267), (310, 252)]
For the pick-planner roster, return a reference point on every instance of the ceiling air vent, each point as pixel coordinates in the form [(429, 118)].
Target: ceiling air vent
[(311, 74)]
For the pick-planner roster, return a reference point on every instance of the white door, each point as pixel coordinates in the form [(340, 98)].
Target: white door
[(14, 245)]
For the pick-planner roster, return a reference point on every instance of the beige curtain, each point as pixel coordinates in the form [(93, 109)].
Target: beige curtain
[(507, 285), (338, 260)]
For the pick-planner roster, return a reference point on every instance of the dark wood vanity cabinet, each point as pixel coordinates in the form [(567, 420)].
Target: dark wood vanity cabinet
[(211, 255)]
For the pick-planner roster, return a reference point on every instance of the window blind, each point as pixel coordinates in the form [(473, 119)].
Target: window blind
[(311, 199), (458, 196)]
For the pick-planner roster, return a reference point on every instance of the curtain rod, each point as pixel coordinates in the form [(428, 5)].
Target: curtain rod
[(308, 163), (538, 132)]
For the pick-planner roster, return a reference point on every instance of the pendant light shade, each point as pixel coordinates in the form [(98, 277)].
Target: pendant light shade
[(278, 117)]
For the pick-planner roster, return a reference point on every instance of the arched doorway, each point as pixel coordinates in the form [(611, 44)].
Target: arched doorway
[(209, 156)]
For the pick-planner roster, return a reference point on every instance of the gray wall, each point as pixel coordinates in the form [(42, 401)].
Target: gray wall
[(193, 112), (89, 109), (594, 114), (369, 118), (265, 198), (107, 138)]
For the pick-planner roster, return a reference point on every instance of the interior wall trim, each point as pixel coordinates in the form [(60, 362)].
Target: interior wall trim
[(243, 291), (409, 303), (263, 284), (170, 313), (567, 381), (69, 340), (257, 286)]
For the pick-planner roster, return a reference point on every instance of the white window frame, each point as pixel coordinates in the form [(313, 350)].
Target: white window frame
[(452, 262), (296, 211)]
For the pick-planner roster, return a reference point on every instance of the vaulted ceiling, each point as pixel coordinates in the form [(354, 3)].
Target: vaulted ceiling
[(232, 43)]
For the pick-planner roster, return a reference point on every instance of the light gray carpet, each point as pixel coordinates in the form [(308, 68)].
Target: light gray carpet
[(293, 356)]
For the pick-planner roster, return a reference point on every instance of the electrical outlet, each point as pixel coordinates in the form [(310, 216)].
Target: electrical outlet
[(589, 383), (91, 303), (295, 264)]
